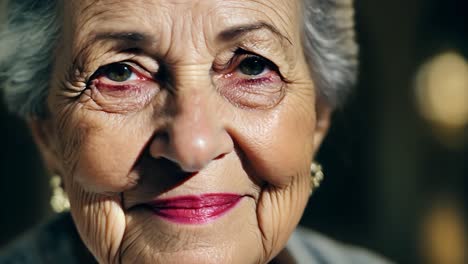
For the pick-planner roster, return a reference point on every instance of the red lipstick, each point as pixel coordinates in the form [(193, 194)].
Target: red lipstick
[(195, 209)]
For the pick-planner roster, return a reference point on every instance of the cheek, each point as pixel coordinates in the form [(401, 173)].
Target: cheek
[(279, 145), (107, 155)]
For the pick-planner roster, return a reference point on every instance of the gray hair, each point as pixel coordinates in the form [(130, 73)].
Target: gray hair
[(28, 40)]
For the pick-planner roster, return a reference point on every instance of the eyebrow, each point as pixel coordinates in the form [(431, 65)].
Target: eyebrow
[(126, 37), (236, 32), (139, 38)]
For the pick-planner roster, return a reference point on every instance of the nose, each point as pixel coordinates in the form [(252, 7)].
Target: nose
[(194, 135)]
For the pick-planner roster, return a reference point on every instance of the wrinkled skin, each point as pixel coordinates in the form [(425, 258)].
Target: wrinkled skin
[(190, 122)]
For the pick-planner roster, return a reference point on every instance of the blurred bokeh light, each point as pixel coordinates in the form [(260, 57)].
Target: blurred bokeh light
[(442, 95), (444, 240)]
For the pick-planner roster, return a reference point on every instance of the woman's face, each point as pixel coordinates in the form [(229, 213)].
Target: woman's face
[(184, 130)]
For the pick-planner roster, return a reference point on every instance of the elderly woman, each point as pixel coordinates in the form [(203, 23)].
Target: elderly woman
[(183, 130)]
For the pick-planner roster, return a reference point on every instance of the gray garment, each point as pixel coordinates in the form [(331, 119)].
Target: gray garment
[(309, 247), (58, 242)]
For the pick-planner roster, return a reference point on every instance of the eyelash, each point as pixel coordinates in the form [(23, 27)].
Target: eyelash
[(136, 74)]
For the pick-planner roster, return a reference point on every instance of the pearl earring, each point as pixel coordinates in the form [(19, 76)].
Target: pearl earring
[(316, 175), (59, 200)]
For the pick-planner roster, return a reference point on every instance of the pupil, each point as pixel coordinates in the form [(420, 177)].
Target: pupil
[(118, 72), (252, 66)]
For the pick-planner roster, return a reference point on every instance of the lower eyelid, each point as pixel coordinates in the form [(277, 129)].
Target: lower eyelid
[(254, 81), (266, 75), (268, 83), (109, 87), (119, 88), (118, 101)]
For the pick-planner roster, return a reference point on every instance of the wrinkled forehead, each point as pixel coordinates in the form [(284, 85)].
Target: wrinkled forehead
[(179, 16), (274, 8)]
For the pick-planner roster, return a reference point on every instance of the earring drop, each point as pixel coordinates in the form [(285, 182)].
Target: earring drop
[(316, 175), (59, 200)]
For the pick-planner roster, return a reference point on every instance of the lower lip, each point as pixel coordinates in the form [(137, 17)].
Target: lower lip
[(195, 209)]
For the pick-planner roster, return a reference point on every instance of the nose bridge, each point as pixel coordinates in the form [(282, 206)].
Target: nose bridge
[(193, 119), (193, 123), (195, 134)]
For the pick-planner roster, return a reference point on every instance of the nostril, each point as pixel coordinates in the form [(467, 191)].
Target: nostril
[(220, 156), (163, 136), (159, 145)]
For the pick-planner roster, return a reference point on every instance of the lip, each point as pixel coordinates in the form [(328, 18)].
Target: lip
[(195, 209)]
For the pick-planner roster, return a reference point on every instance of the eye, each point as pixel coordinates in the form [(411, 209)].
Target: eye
[(120, 87), (252, 66), (118, 72)]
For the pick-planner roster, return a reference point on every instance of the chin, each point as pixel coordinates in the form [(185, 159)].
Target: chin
[(212, 255), (232, 238)]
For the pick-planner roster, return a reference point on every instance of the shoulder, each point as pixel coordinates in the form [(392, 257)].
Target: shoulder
[(310, 247), (51, 242)]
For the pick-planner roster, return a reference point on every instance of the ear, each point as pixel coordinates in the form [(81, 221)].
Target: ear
[(323, 112), (43, 135)]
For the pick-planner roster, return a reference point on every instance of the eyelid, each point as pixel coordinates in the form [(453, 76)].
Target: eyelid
[(239, 55), (137, 69), (134, 67)]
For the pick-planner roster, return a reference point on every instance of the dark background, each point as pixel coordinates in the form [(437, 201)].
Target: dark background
[(394, 179)]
